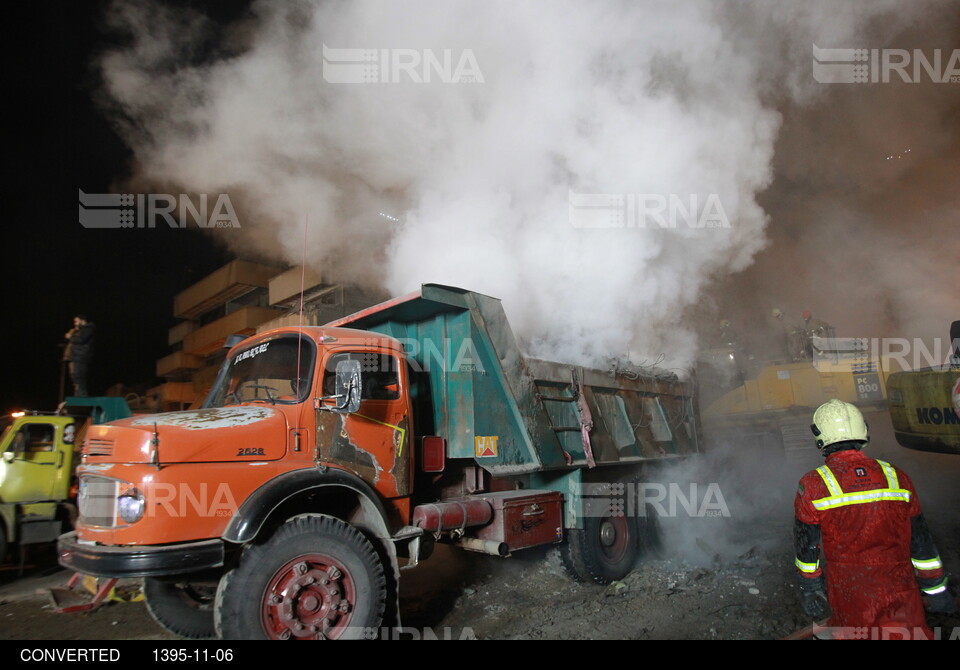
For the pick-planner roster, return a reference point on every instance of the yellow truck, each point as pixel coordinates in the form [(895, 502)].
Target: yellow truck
[(37, 467)]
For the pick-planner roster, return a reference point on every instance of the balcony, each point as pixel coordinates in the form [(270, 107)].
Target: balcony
[(176, 334), (285, 287), (211, 337), (177, 363), (229, 282)]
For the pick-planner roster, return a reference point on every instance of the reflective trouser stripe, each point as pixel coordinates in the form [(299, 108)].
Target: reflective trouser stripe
[(807, 567), (928, 564), (934, 590)]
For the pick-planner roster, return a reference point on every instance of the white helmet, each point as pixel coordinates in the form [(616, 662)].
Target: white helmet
[(838, 421)]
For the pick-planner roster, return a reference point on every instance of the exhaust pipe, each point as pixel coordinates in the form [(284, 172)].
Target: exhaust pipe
[(491, 547)]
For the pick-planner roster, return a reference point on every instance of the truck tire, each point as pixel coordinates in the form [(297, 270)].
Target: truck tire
[(650, 533), (317, 577), (604, 551), (184, 609)]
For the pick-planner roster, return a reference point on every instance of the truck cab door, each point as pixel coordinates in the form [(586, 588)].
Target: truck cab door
[(32, 463), (375, 441)]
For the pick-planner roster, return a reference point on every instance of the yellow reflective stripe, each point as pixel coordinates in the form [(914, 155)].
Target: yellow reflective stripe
[(890, 473), (838, 498), (876, 495), (832, 484), (929, 564), (807, 567)]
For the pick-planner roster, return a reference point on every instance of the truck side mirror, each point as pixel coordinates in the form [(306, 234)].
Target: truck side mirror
[(346, 391), (348, 386)]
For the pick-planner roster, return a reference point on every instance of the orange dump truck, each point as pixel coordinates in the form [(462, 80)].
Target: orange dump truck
[(327, 459)]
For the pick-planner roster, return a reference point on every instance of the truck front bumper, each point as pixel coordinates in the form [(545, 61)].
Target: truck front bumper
[(136, 561)]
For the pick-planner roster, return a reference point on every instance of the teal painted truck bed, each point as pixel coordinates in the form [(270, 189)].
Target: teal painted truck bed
[(512, 414)]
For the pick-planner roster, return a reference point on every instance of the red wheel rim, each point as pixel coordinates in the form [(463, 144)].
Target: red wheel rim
[(614, 539), (311, 597)]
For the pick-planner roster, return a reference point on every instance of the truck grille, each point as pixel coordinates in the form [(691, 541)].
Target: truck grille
[(97, 446), (98, 501)]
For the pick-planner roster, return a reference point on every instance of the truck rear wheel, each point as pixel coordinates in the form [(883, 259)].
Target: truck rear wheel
[(649, 533), (316, 578), (184, 609), (604, 551)]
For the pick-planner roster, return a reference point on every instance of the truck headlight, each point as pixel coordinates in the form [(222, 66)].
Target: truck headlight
[(130, 505)]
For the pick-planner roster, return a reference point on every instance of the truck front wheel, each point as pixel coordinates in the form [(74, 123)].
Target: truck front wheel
[(316, 578), (184, 609)]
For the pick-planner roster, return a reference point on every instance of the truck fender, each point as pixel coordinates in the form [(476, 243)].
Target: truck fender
[(260, 505)]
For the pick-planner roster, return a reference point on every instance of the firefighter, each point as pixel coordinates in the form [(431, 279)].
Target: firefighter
[(877, 548), (808, 331)]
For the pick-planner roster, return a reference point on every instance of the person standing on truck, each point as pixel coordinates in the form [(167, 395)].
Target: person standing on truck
[(79, 352), (866, 516)]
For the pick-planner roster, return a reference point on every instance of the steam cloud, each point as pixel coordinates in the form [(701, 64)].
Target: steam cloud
[(614, 97)]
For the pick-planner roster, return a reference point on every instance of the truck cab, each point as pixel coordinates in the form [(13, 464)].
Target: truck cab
[(183, 493), (38, 468), (35, 477)]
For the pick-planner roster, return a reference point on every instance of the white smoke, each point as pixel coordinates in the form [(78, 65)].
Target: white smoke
[(662, 98)]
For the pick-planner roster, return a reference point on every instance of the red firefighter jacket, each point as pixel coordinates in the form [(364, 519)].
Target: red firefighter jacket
[(866, 512)]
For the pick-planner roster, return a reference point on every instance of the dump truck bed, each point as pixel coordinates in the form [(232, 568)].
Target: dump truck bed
[(512, 414)]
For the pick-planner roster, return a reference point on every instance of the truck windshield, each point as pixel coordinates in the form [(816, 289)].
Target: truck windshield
[(266, 371)]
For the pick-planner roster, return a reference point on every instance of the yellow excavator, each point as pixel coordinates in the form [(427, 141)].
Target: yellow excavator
[(925, 404), (769, 404)]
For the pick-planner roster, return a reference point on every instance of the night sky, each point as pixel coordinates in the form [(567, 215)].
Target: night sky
[(123, 279)]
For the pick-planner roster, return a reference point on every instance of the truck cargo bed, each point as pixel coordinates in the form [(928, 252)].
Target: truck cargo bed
[(514, 414)]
